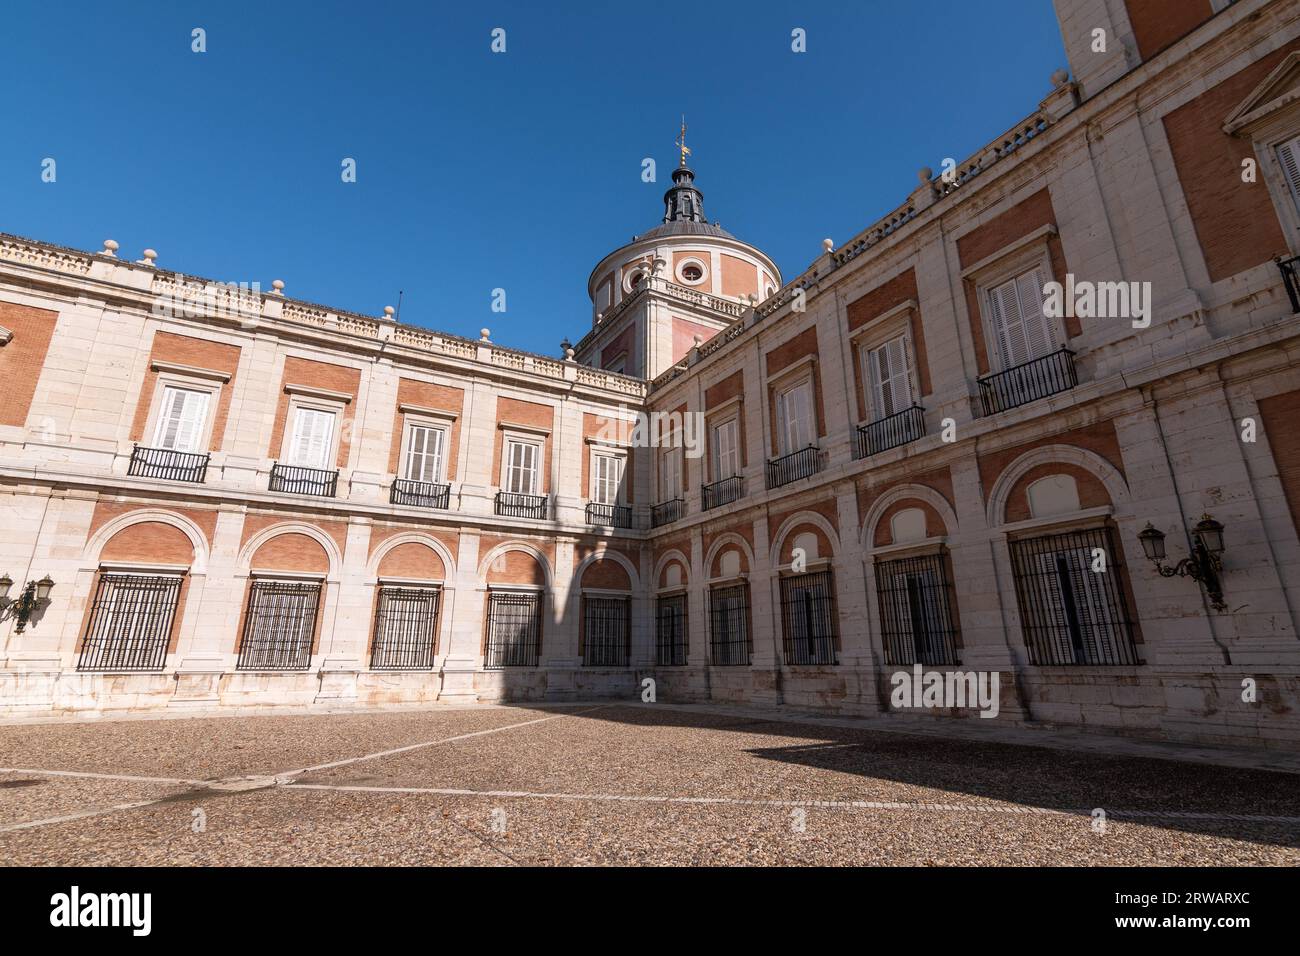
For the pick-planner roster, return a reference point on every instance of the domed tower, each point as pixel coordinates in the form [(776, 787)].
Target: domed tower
[(683, 279)]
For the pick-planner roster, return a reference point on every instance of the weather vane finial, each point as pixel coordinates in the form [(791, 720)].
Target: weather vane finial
[(681, 141)]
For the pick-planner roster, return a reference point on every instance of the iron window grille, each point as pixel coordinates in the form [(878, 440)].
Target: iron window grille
[(798, 464), (1028, 382), (514, 632), (605, 631), (169, 464), (130, 623), (670, 631), (609, 516), (916, 619), (1290, 269), (897, 429), (729, 626), (420, 494), (1070, 613), (808, 625), (406, 628), (514, 505), (666, 512), (721, 492), (280, 625), (298, 480)]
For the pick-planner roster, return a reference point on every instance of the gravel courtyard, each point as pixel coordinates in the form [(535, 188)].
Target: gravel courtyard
[(609, 784)]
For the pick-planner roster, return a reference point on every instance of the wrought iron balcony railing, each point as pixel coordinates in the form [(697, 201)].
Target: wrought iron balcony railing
[(420, 494), (798, 464), (1291, 277), (297, 480), (169, 464), (514, 505), (889, 432), (609, 516), (1028, 382), (721, 492), (666, 512)]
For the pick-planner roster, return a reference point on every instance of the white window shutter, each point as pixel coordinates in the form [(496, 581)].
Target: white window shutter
[(312, 438), (891, 378), (1288, 155), (1039, 340)]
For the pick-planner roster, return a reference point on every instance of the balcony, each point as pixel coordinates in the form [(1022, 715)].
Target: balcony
[(1028, 382), (1291, 277), (512, 505), (168, 464), (296, 480), (609, 516), (721, 492), (798, 464), (420, 494), (889, 432), (666, 512)]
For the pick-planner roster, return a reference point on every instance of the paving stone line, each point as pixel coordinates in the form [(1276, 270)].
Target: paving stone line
[(814, 804)]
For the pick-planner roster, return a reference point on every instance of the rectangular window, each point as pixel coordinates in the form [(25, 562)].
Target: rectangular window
[(605, 631), (313, 438), (181, 419), (808, 618), (889, 374), (130, 623), (406, 628), (1288, 155), (521, 467), (794, 412), (729, 626), (1020, 325), (607, 479), (726, 450), (1071, 596), (424, 453), (514, 632), (916, 618), (670, 474), (279, 626), (670, 631)]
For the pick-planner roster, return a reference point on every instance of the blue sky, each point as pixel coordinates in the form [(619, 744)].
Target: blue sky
[(478, 170)]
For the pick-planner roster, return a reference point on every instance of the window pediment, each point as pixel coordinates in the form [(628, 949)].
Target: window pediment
[(1280, 89)]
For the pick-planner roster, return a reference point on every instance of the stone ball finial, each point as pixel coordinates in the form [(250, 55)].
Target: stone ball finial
[(484, 335), (388, 313), (1060, 77), (110, 248), (699, 340), (150, 258), (828, 245), (568, 355), (924, 175), (278, 286)]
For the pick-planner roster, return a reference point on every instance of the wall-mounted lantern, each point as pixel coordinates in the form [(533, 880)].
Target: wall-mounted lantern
[(35, 595), (1203, 566)]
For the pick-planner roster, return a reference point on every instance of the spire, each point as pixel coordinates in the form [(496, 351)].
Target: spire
[(683, 202)]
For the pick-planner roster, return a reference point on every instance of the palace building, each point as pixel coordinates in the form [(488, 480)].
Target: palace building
[(223, 497)]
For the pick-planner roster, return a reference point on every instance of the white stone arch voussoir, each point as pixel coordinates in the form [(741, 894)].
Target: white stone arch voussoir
[(412, 537), (898, 493), (672, 554), (723, 540), (622, 560), (508, 546), (291, 527), (198, 541), (792, 522), (1089, 461)]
